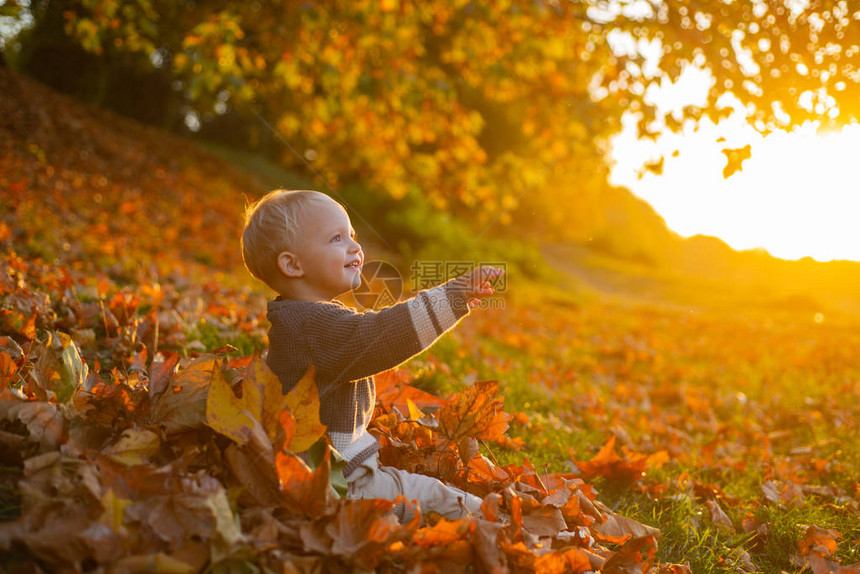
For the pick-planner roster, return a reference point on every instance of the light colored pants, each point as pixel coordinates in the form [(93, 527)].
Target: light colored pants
[(370, 480)]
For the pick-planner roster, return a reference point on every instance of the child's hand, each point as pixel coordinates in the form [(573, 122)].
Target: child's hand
[(477, 282)]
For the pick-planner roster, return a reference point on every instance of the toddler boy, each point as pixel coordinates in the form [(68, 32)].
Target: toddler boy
[(302, 245)]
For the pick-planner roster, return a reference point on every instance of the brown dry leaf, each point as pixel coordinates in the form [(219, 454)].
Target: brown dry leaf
[(717, 515), (362, 530), (255, 473), (617, 526), (475, 412), (195, 509), (544, 521), (45, 423), (160, 373), (770, 490), (485, 537), (183, 405)]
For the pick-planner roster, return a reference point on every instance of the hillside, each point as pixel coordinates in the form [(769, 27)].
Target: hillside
[(684, 396)]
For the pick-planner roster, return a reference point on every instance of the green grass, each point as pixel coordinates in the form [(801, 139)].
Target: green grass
[(763, 389)]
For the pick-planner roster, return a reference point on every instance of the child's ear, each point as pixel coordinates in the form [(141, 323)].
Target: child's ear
[(289, 264)]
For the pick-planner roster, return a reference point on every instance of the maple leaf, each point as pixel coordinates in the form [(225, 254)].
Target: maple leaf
[(475, 412), (263, 401)]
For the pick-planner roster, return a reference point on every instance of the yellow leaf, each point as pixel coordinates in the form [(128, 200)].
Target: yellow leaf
[(304, 403), (263, 401), (273, 399), (114, 510), (415, 413), (228, 414)]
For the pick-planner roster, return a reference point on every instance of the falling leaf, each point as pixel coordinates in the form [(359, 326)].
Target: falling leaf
[(735, 158)]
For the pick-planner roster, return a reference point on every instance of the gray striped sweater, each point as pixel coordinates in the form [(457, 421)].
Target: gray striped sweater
[(347, 348)]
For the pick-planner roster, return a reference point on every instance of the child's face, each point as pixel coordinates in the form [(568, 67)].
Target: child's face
[(330, 257)]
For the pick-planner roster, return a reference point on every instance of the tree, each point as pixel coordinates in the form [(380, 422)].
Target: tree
[(471, 103)]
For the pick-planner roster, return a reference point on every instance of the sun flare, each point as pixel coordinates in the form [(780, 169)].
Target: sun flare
[(796, 196)]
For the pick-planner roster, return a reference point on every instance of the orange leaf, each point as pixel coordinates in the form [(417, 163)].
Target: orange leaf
[(818, 540), (574, 560), (607, 463), (304, 490), (475, 412)]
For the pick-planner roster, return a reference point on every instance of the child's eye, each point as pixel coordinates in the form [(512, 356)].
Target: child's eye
[(336, 237)]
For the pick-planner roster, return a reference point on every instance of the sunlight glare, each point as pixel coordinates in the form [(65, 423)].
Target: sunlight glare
[(797, 196)]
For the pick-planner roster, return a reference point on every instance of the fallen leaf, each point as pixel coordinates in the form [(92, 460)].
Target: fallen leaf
[(474, 412), (303, 402), (183, 405), (134, 446)]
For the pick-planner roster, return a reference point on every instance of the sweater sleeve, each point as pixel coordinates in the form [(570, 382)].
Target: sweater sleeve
[(347, 346)]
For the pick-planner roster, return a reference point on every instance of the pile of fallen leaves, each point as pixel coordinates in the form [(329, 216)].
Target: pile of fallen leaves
[(124, 446), (188, 464)]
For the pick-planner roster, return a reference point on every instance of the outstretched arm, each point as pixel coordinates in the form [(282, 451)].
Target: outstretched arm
[(347, 346)]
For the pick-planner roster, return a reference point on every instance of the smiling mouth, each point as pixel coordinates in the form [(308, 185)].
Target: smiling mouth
[(355, 265)]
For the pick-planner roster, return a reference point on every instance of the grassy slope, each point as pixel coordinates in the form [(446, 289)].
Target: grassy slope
[(734, 399)]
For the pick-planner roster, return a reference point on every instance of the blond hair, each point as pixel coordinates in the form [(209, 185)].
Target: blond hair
[(272, 225)]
